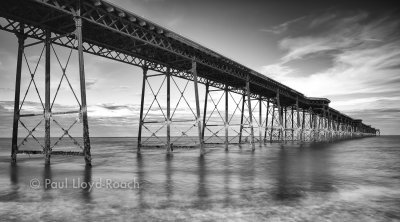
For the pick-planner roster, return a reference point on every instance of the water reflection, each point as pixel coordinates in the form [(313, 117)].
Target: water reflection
[(227, 180), (169, 183), (142, 181), (13, 171), (46, 177), (301, 170), (202, 192), (87, 179), (286, 178)]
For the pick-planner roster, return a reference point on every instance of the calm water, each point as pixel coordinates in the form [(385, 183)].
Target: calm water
[(354, 180)]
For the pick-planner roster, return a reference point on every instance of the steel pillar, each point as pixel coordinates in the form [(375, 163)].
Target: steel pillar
[(337, 127), (298, 120), (312, 126), (325, 126), (316, 126), (266, 122), (241, 118), (260, 120), (168, 111), (285, 123), (198, 118), (47, 111), (303, 121), (21, 41), (139, 143), (272, 123), (292, 113), (250, 113), (329, 126), (205, 110), (226, 118), (280, 116), (86, 139)]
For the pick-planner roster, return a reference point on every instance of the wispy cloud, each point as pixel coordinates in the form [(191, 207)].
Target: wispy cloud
[(279, 29), (6, 89), (90, 83)]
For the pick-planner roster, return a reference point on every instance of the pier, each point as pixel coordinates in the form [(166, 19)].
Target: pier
[(240, 105)]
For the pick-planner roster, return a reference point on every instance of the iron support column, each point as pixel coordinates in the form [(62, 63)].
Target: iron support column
[(272, 123), (285, 129), (329, 126), (21, 41), (303, 121), (292, 123), (168, 111), (86, 139), (280, 132), (317, 124), (266, 122), (139, 144), (226, 118), (250, 113), (298, 120), (311, 131), (260, 120), (241, 118), (198, 117), (47, 111), (205, 110)]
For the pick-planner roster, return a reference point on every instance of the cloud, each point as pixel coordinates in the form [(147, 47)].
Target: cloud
[(6, 89), (279, 29), (351, 58), (90, 83), (317, 21), (115, 107)]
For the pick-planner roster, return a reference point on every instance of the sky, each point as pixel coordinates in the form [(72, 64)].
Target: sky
[(347, 51)]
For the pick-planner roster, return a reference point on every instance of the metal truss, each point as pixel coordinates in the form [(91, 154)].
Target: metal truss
[(169, 119), (47, 104)]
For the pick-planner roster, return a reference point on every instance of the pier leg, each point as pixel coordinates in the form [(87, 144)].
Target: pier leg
[(198, 116), (312, 129), (226, 118), (266, 122), (272, 123), (139, 143), (86, 138), (285, 129), (329, 127), (250, 113), (292, 113), (280, 116), (14, 146), (337, 127), (280, 131), (316, 128), (260, 120), (303, 121), (241, 118), (325, 124), (205, 111), (168, 111), (298, 120), (47, 111)]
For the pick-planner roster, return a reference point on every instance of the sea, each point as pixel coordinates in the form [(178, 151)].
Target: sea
[(348, 180)]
